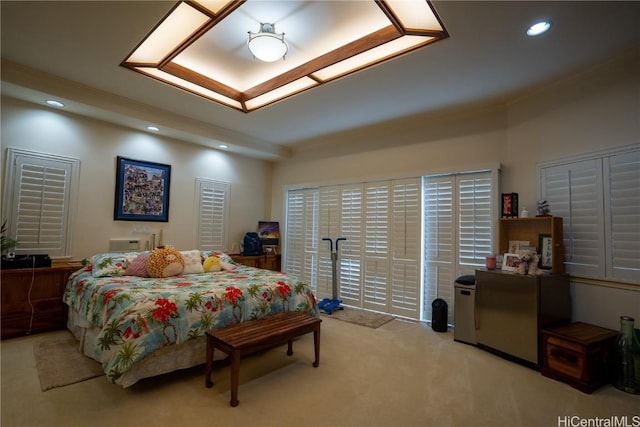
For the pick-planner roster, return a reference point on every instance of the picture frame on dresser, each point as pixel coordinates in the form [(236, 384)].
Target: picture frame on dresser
[(142, 191), (511, 262), (545, 248)]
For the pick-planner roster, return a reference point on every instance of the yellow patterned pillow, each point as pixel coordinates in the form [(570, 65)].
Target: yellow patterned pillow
[(212, 263), (165, 262)]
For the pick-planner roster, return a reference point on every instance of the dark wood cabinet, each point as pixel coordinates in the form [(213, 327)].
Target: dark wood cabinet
[(578, 354), (268, 262), (31, 300)]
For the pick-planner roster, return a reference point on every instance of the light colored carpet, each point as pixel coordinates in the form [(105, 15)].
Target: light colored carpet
[(60, 363), (400, 375), (361, 317)]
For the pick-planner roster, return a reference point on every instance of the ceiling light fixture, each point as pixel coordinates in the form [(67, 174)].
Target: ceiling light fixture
[(266, 45), (194, 46), (538, 28)]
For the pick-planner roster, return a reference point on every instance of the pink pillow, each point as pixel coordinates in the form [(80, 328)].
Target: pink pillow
[(138, 267)]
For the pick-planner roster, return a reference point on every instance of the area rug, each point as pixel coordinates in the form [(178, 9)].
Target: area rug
[(60, 363), (360, 317)]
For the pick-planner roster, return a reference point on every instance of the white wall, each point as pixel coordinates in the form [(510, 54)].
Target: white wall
[(97, 144), (593, 110)]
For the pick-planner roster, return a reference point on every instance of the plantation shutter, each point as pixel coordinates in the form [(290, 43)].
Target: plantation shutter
[(212, 210), (329, 227), (439, 240), (459, 212), (376, 246), (301, 235), (623, 217), (598, 197), (350, 254), (40, 191), (405, 248), (574, 192), (475, 213)]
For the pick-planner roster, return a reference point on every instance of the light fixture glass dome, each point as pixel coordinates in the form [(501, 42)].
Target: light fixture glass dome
[(266, 45), (538, 28)]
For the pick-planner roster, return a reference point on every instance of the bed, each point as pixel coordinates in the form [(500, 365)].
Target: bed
[(139, 327)]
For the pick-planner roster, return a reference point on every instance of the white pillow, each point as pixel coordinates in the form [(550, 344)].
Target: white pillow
[(192, 262)]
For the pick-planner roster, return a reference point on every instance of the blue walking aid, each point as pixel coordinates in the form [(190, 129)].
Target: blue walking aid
[(329, 305)]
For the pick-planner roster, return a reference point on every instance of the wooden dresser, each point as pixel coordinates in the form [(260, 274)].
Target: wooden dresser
[(578, 354), (268, 262), (31, 299)]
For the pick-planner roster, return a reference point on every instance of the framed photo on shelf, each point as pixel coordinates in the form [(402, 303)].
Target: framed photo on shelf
[(511, 262), (545, 247), (509, 205), (142, 191)]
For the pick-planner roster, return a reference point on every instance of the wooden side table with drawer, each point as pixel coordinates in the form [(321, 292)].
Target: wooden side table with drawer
[(578, 354)]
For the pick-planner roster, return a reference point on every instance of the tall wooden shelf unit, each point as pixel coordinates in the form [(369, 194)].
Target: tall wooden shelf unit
[(530, 229)]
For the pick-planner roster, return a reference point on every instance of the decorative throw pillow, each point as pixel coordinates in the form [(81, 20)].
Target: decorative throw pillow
[(138, 267), (192, 262), (211, 264), (111, 263), (165, 262), (221, 256)]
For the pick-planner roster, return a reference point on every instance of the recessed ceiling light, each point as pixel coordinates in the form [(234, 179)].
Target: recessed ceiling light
[(54, 103), (223, 146), (153, 128), (538, 28)]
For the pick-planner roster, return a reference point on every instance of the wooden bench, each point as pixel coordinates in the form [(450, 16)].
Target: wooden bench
[(249, 337)]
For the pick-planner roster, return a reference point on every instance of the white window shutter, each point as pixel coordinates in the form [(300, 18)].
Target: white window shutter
[(623, 215), (376, 246), (301, 235), (328, 226), (40, 191), (439, 240), (212, 211), (294, 249), (574, 192), (458, 221), (405, 246), (475, 221), (350, 253)]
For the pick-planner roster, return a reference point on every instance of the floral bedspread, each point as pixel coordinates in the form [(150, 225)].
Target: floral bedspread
[(137, 316)]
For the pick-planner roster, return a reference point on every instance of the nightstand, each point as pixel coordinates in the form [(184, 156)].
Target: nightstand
[(32, 299)]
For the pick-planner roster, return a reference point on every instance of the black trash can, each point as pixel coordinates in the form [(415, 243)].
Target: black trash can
[(439, 310)]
